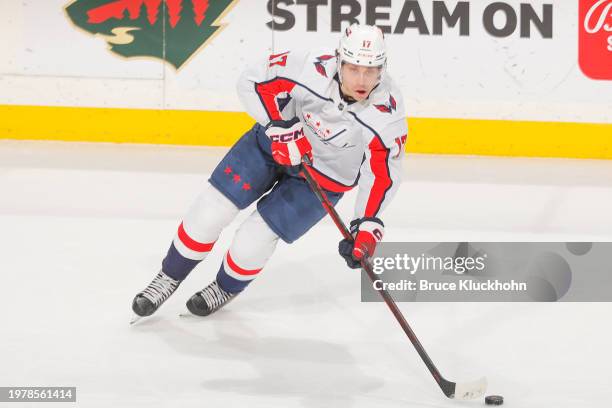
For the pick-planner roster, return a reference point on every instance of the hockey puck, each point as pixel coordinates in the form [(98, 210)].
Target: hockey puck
[(494, 400)]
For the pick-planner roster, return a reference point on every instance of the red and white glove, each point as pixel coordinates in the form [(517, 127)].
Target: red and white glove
[(289, 143), (367, 232)]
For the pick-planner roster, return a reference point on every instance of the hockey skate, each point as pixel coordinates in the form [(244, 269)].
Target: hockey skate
[(209, 300), (151, 298)]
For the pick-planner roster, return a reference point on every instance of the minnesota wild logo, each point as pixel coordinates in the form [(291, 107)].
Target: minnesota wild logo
[(171, 30)]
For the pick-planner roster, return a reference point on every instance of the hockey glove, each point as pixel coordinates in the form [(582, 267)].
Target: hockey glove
[(289, 143), (367, 232)]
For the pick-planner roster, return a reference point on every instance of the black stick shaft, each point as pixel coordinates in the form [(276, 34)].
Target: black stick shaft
[(447, 387)]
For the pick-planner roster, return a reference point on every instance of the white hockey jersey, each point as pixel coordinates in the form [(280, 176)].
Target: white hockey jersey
[(358, 144)]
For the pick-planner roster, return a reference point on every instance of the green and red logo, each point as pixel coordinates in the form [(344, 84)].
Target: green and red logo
[(170, 30)]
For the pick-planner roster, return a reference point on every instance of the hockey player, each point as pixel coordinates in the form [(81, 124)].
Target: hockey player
[(338, 107)]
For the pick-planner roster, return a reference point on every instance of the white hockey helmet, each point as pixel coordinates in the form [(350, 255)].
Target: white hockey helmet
[(363, 45)]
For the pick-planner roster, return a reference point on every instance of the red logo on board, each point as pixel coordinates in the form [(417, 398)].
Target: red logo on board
[(595, 38)]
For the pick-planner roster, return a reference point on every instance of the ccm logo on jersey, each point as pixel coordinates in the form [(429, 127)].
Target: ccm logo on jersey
[(288, 137)]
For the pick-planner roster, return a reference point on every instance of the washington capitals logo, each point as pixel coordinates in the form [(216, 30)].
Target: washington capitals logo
[(388, 107), (170, 30), (321, 62)]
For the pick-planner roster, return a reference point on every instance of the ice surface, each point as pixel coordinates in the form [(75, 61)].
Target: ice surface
[(83, 227)]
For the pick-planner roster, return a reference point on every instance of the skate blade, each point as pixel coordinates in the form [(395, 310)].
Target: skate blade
[(135, 319), (189, 315)]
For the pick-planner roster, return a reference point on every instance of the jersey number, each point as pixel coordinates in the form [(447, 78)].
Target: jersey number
[(278, 59), (400, 141)]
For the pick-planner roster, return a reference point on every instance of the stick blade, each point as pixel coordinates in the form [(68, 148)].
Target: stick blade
[(470, 390)]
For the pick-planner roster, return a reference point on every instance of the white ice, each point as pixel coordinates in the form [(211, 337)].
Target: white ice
[(83, 227)]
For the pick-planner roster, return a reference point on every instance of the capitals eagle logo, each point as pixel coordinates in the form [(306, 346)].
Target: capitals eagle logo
[(321, 62), (389, 107)]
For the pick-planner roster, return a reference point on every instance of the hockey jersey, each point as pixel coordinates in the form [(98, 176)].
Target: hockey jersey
[(353, 144)]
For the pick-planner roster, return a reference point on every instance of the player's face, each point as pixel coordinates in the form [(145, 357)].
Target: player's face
[(358, 81)]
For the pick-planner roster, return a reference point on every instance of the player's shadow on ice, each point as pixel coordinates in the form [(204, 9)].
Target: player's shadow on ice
[(318, 373)]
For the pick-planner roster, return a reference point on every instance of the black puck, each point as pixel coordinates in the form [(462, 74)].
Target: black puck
[(494, 400)]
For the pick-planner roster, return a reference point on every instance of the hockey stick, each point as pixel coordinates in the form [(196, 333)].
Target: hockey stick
[(459, 391)]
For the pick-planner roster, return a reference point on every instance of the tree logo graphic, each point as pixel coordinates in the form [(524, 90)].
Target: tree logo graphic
[(169, 30)]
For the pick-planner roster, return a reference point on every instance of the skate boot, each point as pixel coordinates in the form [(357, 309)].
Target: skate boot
[(209, 300), (149, 300)]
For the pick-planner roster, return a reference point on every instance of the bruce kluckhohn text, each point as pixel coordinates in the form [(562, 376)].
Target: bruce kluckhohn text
[(463, 285)]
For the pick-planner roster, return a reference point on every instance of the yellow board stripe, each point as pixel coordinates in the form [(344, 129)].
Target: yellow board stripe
[(426, 135), (122, 125), (510, 138)]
